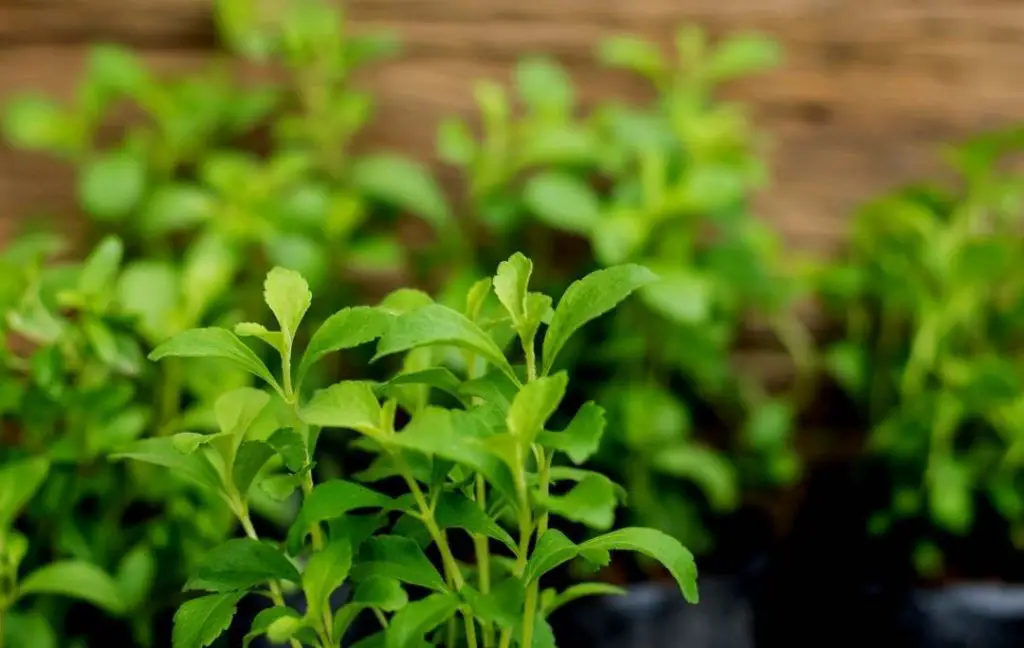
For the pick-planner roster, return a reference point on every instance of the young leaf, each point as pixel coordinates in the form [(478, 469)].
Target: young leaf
[(403, 183), (251, 329), (439, 325), (237, 409), (112, 184), (554, 549), (413, 621), (399, 558), (240, 564), (534, 404), (251, 457), (544, 85), (591, 501), (382, 593), (265, 619), (350, 405), (329, 500), (589, 298), (563, 202), (19, 481), (199, 622), (348, 328), (582, 438), (511, 285), (580, 590), (287, 294), (77, 579), (214, 343), (455, 511), (742, 55), (633, 54), (326, 570)]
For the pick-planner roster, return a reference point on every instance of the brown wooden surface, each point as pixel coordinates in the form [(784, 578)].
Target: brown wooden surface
[(869, 86)]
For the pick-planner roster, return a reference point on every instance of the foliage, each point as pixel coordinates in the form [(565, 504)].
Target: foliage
[(931, 295), (487, 460), (665, 183)]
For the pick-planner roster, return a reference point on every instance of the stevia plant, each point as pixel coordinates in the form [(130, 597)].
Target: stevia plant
[(473, 454), (666, 183), (930, 295)]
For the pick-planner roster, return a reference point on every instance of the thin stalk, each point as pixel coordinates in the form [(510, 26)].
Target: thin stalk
[(451, 568), (275, 589), (3, 611), (383, 620), (483, 561), (170, 393), (470, 630)]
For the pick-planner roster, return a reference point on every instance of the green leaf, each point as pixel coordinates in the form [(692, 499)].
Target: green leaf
[(437, 377), (325, 572), (348, 328), (769, 426), (403, 183), (544, 85), (252, 456), (634, 54), (534, 404), (112, 184), (176, 207), (512, 284), (77, 579), (135, 576), (19, 481), (580, 590), (439, 325), (455, 144), (382, 593), (591, 501), (742, 55), (350, 405), (241, 564), (563, 202), (290, 445), (38, 123), (215, 343), (275, 339), (589, 298), (404, 300), (847, 362), (162, 451), (265, 619), (682, 295), (116, 69), (100, 268), (554, 549), (237, 409), (329, 500), (399, 558), (199, 622), (950, 494), (456, 511), (148, 290), (709, 470), (287, 294), (582, 438), (412, 622)]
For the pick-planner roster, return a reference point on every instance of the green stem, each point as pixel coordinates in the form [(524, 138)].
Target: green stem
[(380, 618), (3, 611), (483, 561), (470, 629), (170, 393), (529, 614), (451, 568), (275, 589)]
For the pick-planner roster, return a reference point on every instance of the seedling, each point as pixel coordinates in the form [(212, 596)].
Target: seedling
[(466, 469)]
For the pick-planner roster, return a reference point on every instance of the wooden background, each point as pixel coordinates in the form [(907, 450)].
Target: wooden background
[(867, 91)]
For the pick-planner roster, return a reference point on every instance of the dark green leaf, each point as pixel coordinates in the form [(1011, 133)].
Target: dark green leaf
[(252, 456), (240, 564), (589, 298), (329, 500), (399, 558), (77, 579), (289, 444), (325, 572), (348, 328), (382, 593), (409, 624), (455, 511), (437, 377), (19, 481)]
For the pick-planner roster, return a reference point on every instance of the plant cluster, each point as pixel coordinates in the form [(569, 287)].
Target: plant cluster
[(488, 459), (931, 295)]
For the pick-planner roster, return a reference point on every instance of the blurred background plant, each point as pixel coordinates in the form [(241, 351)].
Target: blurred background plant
[(931, 294)]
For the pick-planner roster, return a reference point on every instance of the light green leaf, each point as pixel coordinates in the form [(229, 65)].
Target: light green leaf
[(582, 438), (148, 290), (265, 619), (38, 123), (563, 202), (112, 184), (76, 579), (135, 576), (580, 590), (589, 298), (288, 296), (404, 300), (241, 564), (397, 557), (199, 622), (634, 54), (19, 481), (403, 183), (534, 404), (512, 284), (741, 55), (251, 329), (237, 409), (175, 207), (554, 549), (592, 501), (162, 451), (682, 295), (544, 85), (456, 511), (439, 325), (325, 572), (116, 69), (769, 426), (329, 500), (709, 470), (950, 496), (348, 328), (215, 343), (350, 405), (291, 446), (455, 143), (188, 442), (412, 622), (382, 593), (100, 268), (437, 377), (210, 264), (251, 457)]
